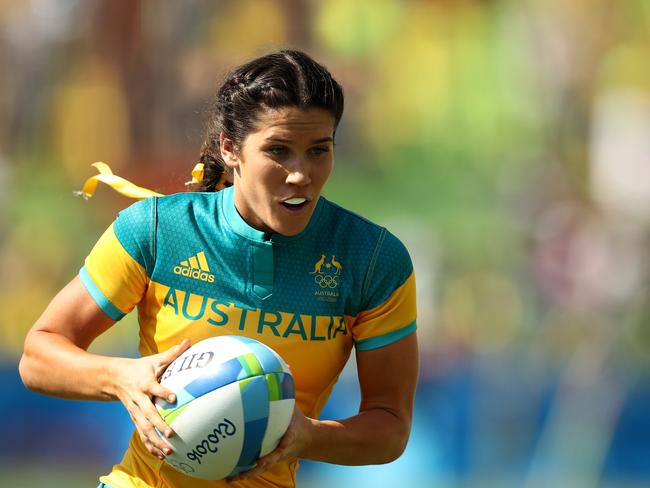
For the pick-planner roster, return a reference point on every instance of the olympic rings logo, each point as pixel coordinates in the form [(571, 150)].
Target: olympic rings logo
[(325, 281)]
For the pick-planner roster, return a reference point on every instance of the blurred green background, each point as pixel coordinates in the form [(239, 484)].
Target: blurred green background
[(506, 142)]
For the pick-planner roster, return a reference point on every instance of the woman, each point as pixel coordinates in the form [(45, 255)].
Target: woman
[(266, 257)]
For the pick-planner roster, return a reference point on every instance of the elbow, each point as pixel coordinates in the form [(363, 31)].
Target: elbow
[(397, 449), (27, 369), (25, 372), (397, 444)]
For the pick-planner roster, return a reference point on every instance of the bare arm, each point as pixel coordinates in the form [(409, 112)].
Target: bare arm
[(55, 362), (378, 433)]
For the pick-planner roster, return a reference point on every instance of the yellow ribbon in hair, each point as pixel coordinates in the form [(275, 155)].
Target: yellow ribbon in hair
[(131, 190), (118, 183), (197, 175)]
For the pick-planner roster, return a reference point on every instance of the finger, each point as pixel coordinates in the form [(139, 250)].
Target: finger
[(269, 460), (262, 465), (153, 449), (251, 473), (287, 439), (142, 426), (158, 445), (163, 359), (155, 421), (173, 352), (158, 391)]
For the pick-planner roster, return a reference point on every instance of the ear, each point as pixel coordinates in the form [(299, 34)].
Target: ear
[(228, 151)]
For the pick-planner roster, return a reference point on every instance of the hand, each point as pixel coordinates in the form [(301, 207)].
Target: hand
[(137, 384), (295, 440)]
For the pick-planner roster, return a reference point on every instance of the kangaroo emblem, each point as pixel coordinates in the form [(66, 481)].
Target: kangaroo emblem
[(337, 265), (319, 264)]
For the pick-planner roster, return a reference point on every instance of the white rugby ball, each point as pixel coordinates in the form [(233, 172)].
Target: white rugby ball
[(234, 401)]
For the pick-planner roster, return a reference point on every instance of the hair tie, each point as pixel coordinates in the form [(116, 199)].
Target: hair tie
[(197, 175)]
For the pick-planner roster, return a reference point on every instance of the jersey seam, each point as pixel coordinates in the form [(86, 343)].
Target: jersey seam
[(153, 234), (355, 215), (371, 266)]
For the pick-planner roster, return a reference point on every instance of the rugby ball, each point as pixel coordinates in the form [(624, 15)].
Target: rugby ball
[(234, 401)]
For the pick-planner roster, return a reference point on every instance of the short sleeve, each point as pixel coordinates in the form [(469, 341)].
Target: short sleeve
[(117, 270), (388, 309)]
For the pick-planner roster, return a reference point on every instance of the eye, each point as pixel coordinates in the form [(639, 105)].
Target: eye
[(276, 150), (318, 150)]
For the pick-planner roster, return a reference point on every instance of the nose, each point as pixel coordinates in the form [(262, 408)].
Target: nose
[(298, 173)]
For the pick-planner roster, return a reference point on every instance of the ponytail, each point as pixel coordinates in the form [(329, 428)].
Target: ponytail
[(211, 170), (287, 78)]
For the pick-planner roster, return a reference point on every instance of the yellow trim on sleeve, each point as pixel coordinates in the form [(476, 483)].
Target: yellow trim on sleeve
[(115, 273), (397, 311)]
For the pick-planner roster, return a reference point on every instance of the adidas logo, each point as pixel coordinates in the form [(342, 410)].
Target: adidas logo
[(195, 267)]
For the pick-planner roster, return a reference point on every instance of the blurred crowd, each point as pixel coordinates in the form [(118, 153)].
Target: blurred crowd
[(506, 142)]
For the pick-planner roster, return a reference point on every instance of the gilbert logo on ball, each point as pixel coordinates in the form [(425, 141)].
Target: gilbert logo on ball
[(234, 402)]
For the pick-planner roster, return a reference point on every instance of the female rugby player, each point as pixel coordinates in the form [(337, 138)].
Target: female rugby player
[(259, 253)]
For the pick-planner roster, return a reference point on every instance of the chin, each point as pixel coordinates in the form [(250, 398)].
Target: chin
[(290, 230)]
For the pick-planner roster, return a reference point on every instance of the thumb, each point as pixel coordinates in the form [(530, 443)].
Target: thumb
[(166, 357)]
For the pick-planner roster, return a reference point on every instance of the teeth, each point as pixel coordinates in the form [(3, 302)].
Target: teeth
[(295, 201)]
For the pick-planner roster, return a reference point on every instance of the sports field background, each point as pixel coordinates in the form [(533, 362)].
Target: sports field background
[(506, 142)]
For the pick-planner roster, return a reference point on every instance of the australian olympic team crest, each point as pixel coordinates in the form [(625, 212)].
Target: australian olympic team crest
[(327, 278)]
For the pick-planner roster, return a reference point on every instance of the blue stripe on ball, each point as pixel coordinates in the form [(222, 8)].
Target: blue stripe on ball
[(253, 437), (267, 359), (254, 397), (225, 374), (288, 388)]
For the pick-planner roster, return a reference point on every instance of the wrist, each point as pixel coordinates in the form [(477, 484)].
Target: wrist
[(112, 379), (318, 436), (310, 435)]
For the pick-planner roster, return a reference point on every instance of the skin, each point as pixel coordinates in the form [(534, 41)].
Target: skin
[(288, 155), (55, 362), (291, 154), (377, 434)]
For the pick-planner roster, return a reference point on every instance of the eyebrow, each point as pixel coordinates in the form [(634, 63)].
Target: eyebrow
[(287, 141)]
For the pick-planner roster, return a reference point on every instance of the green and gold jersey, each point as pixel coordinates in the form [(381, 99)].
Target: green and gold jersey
[(195, 269)]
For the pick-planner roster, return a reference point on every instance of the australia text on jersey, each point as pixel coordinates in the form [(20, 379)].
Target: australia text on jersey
[(195, 267), (312, 327)]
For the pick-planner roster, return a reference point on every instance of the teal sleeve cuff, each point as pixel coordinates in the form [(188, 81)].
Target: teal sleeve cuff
[(386, 339), (104, 303)]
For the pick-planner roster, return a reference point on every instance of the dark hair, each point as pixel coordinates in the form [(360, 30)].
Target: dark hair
[(287, 78)]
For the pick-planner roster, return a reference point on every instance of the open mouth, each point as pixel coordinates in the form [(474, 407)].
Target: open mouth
[(296, 203)]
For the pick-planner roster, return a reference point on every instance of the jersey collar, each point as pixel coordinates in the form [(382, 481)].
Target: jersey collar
[(240, 227)]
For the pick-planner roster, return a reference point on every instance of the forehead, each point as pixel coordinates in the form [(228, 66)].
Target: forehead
[(294, 122)]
